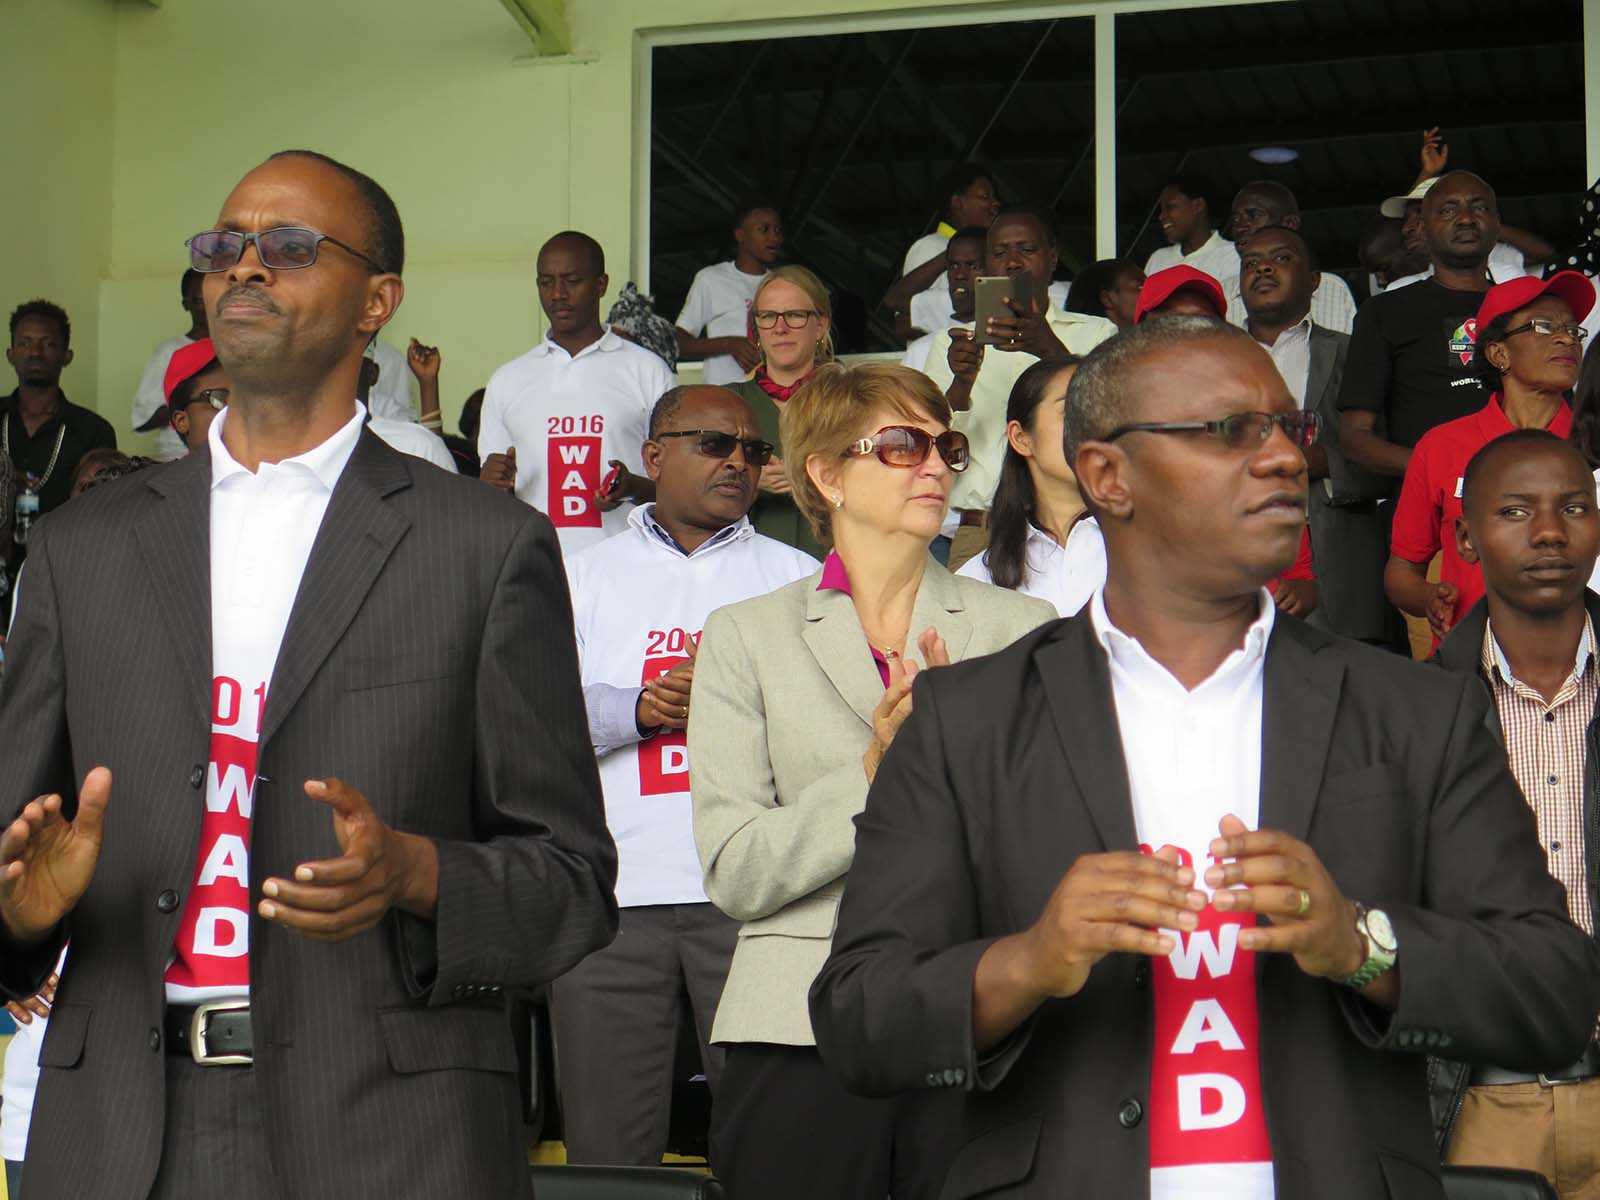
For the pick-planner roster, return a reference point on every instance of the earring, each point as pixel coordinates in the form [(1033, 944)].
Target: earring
[(838, 501)]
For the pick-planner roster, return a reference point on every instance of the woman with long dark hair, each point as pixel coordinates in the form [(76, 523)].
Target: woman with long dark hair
[(1041, 542)]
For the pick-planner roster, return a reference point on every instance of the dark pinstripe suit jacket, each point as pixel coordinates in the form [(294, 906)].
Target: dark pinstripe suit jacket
[(429, 661)]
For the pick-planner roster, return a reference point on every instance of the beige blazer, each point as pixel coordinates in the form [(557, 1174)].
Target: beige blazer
[(784, 688)]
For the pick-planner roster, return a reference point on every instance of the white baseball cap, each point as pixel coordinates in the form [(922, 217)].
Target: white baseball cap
[(1395, 206)]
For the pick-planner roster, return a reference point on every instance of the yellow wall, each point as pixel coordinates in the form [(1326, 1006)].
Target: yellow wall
[(485, 151), (57, 63)]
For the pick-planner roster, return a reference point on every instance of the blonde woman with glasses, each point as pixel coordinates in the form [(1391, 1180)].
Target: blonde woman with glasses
[(793, 319)]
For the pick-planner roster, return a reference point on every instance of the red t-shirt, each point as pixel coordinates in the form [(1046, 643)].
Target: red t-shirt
[(1430, 497), (1302, 568)]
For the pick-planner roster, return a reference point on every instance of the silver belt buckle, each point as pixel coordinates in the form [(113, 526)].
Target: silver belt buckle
[(197, 1034), (1547, 1082)]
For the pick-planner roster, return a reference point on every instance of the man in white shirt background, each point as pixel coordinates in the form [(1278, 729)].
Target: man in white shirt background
[(408, 437), (1264, 203), (149, 399), (1184, 215), (562, 425), (715, 322), (639, 602), (977, 380), (919, 300), (963, 262)]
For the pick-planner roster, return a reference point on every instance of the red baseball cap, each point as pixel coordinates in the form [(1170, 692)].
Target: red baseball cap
[(1572, 286), (186, 362), (1164, 285)]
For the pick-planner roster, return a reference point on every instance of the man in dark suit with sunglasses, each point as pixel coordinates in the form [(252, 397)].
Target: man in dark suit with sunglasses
[(301, 870), (639, 601), (1181, 891)]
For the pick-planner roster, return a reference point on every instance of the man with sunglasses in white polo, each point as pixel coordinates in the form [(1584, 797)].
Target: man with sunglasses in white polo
[(639, 601)]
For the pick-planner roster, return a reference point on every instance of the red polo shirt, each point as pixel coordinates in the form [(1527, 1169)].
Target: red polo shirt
[(1430, 498)]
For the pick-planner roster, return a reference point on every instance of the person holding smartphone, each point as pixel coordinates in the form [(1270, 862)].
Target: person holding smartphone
[(977, 379)]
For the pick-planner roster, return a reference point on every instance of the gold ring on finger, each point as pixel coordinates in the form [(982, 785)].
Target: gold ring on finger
[(1305, 903)]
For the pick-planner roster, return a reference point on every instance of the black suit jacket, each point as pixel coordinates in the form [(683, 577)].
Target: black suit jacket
[(429, 661), (1348, 541), (1010, 768)]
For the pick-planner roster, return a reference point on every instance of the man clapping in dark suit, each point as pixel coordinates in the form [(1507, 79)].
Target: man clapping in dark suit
[(1165, 886), (354, 795)]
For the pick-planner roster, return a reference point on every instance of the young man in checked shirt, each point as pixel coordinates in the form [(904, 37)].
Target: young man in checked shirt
[(1530, 521)]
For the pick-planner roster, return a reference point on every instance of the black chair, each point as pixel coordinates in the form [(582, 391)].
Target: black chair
[(1495, 1183), (623, 1183)]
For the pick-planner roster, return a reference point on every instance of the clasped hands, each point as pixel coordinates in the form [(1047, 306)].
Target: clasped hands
[(1124, 900), (47, 863)]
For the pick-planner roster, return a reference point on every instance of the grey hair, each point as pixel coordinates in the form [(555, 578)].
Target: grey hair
[(1099, 399)]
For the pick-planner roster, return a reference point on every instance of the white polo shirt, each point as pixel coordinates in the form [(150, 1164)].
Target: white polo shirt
[(1216, 257), (984, 422), (568, 417), (263, 525), (1066, 576), (410, 438), (638, 601), (150, 396), (718, 305)]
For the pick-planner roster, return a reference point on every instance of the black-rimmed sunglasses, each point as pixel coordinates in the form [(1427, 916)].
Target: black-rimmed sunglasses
[(908, 446), (1240, 431), (714, 443), (287, 248)]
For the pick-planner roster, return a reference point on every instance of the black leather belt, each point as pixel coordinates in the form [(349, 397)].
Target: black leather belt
[(214, 1034), (1586, 1067)]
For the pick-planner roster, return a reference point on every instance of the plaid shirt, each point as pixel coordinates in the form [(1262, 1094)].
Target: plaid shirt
[(1546, 745)]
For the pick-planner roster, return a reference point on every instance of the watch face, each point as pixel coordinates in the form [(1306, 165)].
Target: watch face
[(1379, 929)]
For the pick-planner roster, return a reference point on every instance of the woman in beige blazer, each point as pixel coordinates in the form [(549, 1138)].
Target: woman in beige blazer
[(797, 695)]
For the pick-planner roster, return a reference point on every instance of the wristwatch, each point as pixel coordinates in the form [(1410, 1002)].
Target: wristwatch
[(1377, 934)]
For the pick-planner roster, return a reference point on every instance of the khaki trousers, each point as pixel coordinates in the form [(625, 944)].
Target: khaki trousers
[(1552, 1130)]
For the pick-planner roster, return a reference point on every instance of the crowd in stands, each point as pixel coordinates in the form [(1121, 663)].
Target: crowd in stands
[(1080, 888)]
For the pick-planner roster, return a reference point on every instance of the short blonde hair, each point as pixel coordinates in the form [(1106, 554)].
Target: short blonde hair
[(816, 291), (834, 408)]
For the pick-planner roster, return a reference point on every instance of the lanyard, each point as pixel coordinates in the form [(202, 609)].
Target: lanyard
[(5, 444)]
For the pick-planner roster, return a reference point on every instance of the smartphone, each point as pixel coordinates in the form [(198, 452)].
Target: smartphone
[(610, 481), (992, 292)]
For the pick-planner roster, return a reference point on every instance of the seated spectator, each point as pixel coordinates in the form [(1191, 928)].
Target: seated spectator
[(1265, 203), (1529, 522), (977, 379), (1231, 997), (150, 398), (639, 601), (1528, 351), (577, 405), (1181, 291), (1278, 274), (19, 1080), (1184, 215), (1042, 542), (920, 300), (793, 317), (797, 696), (1109, 289), (1385, 254), (463, 446), (408, 437), (963, 259), (41, 431), (714, 325), (196, 389)]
